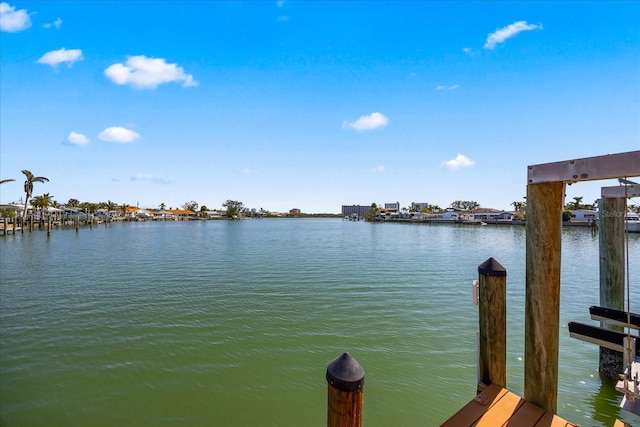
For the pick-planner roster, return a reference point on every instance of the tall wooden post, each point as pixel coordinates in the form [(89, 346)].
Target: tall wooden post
[(493, 323), (6, 225), (345, 377), (611, 215), (49, 226), (542, 305)]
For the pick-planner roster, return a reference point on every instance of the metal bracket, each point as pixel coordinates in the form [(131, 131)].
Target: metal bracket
[(476, 291)]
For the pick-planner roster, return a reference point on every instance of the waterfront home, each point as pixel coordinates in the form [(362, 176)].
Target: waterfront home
[(181, 214), (13, 207), (584, 215), (450, 215), (488, 214)]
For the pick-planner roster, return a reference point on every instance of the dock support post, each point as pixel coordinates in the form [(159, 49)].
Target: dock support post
[(345, 378), (49, 226), (6, 224), (493, 324), (611, 213), (542, 305)]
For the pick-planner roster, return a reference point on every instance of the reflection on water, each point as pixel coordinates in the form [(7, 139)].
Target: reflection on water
[(604, 404)]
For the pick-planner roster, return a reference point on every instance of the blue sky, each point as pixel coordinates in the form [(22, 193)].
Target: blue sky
[(311, 104)]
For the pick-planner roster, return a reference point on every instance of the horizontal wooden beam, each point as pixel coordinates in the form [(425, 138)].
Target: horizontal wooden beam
[(620, 191), (610, 166), (615, 317), (600, 336)]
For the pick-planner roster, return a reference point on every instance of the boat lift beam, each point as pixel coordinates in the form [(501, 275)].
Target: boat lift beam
[(620, 191), (610, 166)]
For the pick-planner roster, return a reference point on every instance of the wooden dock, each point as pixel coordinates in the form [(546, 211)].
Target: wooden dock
[(497, 406)]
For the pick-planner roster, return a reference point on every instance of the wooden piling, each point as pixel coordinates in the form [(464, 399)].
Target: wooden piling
[(611, 213), (493, 324), (345, 378), (49, 226), (542, 305), (6, 225)]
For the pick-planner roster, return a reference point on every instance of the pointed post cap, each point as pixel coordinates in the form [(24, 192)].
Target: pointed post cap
[(491, 267), (345, 373)]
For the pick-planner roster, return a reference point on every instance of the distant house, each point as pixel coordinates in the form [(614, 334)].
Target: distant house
[(295, 212), (214, 214), (182, 213), (584, 215), (18, 209), (448, 215), (488, 214)]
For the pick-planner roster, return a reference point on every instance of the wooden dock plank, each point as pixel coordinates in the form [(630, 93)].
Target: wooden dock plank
[(497, 406), (500, 413), (550, 420), (474, 410), (528, 414)]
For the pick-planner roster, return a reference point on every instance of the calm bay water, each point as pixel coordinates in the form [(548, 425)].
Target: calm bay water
[(233, 323)]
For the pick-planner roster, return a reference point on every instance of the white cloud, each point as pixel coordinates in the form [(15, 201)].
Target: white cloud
[(378, 169), (12, 20), (148, 73), (245, 171), (55, 24), (56, 57), (118, 134), (447, 87), (502, 34), (461, 161), (77, 139), (370, 122), (150, 178)]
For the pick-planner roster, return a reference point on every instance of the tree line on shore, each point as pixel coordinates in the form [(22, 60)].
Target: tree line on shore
[(520, 208), (233, 208)]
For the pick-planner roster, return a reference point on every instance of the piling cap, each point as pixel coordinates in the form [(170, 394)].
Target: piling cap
[(345, 373), (491, 267)]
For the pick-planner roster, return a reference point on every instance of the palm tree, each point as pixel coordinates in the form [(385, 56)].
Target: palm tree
[(575, 205), (28, 187), (6, 180), (109, 206), (42, 202)]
